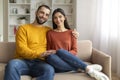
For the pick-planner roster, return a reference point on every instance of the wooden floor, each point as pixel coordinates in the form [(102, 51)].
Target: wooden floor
[(115, 77)]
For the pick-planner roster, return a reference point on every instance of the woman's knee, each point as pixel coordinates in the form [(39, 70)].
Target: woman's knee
[(51, 57), (61, 51)]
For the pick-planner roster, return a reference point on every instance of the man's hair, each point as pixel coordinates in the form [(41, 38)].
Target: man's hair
[(43, 6)]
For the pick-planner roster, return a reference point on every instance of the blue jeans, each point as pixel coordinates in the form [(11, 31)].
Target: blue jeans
[(35, 68), (64, 61)]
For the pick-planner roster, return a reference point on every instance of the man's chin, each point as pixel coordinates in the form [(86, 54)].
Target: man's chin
[(41, 22)]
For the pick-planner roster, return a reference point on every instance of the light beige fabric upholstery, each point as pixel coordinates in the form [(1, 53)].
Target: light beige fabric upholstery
[(85, 52)]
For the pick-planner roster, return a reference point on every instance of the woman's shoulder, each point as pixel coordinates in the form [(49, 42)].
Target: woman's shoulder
[(50, 32), (70, 31)]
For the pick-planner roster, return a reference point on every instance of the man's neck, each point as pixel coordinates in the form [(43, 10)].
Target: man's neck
[(36, 24)]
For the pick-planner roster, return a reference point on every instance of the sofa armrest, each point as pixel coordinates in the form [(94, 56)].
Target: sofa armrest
[(99, 57)]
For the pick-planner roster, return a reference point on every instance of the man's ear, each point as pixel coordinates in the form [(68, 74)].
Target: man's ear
[(35, 12)]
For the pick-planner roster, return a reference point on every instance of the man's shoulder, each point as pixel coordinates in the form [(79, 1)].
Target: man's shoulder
[(24, 25), (51, 30), (48, 27)]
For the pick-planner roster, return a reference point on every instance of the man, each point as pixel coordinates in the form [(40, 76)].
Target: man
[(31, 49)]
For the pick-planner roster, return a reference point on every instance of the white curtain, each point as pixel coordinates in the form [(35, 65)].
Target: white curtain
[(107, 30)]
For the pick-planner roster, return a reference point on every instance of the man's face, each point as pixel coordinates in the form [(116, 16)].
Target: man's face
[(42, 15)]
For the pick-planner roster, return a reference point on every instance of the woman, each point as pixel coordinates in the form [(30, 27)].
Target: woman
[(63, 47)]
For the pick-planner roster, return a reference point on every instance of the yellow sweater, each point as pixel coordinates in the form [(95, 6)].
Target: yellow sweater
[(31, 41)]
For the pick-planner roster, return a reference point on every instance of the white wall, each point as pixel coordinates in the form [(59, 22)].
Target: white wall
[(1, 19), (85, 20), (5, 20)]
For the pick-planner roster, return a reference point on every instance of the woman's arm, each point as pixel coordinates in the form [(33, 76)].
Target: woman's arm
[(73, 45)]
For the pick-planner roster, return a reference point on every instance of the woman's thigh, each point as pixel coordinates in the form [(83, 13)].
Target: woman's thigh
[(71, 59), (59, 64)]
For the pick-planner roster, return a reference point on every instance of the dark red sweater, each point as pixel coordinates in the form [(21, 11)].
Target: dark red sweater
[(61, 40)]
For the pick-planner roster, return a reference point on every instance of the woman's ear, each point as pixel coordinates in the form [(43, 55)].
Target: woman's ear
[(65, 17)]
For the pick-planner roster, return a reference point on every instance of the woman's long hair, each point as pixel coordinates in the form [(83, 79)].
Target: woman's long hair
[(63, 13)]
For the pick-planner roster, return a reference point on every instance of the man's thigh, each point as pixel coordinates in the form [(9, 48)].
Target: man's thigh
[(40, 67)]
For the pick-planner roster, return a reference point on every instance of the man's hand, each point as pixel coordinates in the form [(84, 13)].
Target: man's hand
[(75, 33), (46, 53)]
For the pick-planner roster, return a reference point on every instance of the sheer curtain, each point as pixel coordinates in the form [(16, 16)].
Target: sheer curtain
[(107, 30)]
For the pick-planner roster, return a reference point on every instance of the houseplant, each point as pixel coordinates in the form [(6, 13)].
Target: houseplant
[(22, 20)]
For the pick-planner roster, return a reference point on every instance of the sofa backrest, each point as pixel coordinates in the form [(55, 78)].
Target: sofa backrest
[(85, 50), (7, 50)]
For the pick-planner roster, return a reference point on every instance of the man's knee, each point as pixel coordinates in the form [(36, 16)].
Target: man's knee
[(49, 69), (15, 63)]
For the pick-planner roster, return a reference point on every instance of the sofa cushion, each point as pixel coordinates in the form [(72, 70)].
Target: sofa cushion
[(58, 76), (71, 76), (85, 50), (26, 77), (7, 50), (64, 76), (2, 68)]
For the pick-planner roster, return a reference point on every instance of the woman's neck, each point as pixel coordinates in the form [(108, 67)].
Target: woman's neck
[(61, 29)]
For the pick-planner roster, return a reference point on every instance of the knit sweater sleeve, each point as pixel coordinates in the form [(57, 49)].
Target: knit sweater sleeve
[(73, 45), (48, 41), (21, 45)]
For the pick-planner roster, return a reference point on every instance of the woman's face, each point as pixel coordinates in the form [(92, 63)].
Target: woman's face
[(59, 19)]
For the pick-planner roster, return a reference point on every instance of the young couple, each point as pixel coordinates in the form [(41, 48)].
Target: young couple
[(41, 51)]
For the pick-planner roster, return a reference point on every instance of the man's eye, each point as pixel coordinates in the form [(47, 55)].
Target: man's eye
[(47, 15), (42, 12)]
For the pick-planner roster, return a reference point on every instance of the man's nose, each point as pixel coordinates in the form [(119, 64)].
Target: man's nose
[(44, 15)]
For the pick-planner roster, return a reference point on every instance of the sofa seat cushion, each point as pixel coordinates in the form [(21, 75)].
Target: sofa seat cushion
[(58, 76), (64, 76), (2, 68), (71, 76), (26, 77)]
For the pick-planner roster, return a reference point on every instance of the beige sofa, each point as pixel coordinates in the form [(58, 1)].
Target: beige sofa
[(85, 51)]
